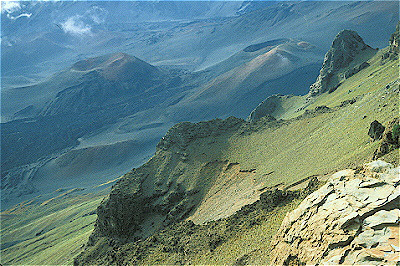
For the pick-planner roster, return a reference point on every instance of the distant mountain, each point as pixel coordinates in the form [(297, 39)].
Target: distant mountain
[(347, 56), (118, 97), (105, 81), (271, 67), (188, 34)]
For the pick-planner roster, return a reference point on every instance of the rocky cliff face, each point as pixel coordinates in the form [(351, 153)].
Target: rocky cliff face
[(394, 40), (352, 219), (347, 55), (393, 53)]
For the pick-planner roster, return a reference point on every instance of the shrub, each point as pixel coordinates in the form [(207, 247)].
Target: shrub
[(396, 131)]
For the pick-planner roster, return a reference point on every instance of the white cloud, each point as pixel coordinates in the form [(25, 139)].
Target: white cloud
[(82, 24), (27, 15), (10, 6), (75, 25)]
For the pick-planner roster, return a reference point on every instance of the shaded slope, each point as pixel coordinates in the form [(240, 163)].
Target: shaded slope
[(107, 80), (117, 97)]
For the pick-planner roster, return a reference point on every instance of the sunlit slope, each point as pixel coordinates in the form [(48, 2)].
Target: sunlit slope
[(371, 81), (48, 232), (320, 142), (223, 168)]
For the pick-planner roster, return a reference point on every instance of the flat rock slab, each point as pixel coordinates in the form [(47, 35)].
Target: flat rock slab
[(352, 219)]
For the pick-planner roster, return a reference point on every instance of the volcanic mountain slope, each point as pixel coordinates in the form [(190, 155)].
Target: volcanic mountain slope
[(206, 33), (119, 98), (107, 81), (172, 97), (275, 62), (92, 94), (205, 172), (347, 56)]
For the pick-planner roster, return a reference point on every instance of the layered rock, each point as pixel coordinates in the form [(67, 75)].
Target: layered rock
[(157, 194), (340, 62), (182, 133), (352, 219)]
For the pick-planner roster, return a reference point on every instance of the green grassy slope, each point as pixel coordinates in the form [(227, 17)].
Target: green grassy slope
[(48, 232), (321, 142)]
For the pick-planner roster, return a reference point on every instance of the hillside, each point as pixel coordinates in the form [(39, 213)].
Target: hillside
[(214, 192), (119, 98), (71, 77), (205, 172)]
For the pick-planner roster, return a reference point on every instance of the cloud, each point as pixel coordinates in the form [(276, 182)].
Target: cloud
[(83, 24), (10, 7), (75, 26), (27, 15)]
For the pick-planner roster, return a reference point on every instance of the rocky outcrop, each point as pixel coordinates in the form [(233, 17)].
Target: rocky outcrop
[(352, 219), (390, 139), (376, 130), (155, 195), (346, 47), (393, 53), (182, 133), (267, 107)]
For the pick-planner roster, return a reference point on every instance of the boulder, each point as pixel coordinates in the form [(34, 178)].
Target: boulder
[(390, 138), (376, 130)]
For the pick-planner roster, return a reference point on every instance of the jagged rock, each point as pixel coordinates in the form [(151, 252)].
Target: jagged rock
[(352, 219), (318, 110), (346, 46), (376, 130), (350, 72), (390, 139), (393, 53)]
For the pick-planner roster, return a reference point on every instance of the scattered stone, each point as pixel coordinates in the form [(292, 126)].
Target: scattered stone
[(347, 102)]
